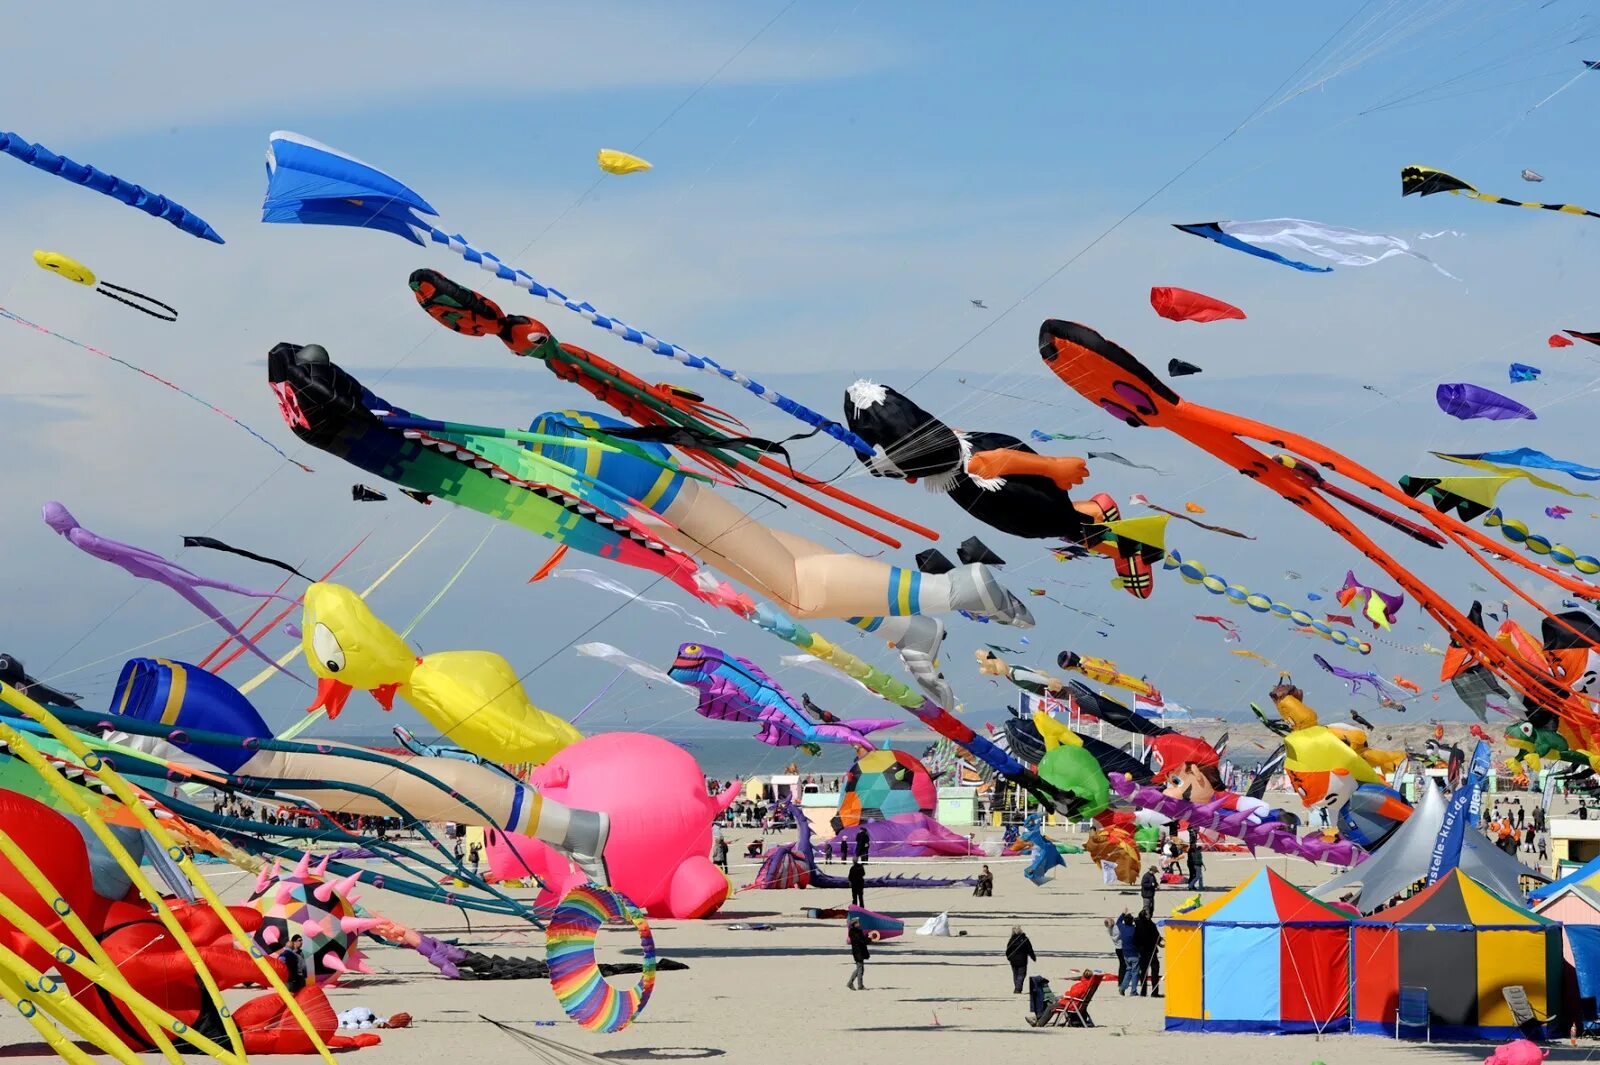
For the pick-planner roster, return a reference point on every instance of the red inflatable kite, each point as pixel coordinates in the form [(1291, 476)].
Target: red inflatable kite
[(1181, 305)]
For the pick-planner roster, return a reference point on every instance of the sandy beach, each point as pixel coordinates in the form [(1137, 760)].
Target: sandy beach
[(778, 996)]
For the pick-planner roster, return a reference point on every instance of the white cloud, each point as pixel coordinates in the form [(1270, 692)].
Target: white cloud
[(201, 63)]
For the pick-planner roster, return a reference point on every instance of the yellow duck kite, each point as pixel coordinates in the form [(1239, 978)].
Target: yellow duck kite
[(473, 698)]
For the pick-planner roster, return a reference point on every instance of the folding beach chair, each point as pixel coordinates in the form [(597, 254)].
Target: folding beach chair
[(1522, 1012), (1065, 1012), (1075, 1012), (1413, 1011)]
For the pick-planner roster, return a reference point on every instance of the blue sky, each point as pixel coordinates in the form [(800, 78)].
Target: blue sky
[(823, 207)]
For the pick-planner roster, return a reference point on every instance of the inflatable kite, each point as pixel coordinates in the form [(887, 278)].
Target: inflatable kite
[(42, 158), (1112, 378), (1426, 181), (150, 566), (1044, 855), (615, 162), (474, 698), (999, 480), (1194, 572), (312, 184), (220, 727), (1470, 401), (1181, 305), (665, 414), (652, 796), (612, 498), (1379, 608), (1518, 461), (74, 271), (1339, 245), (574, 975), (1473, 497), (735, 689)]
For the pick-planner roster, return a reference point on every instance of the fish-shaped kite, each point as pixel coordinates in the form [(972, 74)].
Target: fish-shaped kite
[(1380, 608), (735, 689)]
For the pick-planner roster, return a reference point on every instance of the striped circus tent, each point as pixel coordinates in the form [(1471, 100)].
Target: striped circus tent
[(1465, 944), (1266, 957)]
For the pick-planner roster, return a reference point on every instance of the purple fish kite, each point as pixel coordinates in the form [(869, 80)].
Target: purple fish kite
[(1470, 401), (735, 689)]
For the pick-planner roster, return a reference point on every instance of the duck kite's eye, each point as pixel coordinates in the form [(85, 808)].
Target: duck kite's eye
[(326, 646)]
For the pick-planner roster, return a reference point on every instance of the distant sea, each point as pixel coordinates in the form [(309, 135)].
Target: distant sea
[(727, 756)]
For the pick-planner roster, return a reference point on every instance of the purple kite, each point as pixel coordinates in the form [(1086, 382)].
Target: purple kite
[(1559, 513), (1356, 680), (1471, 401), (150, 566), (735, 689)]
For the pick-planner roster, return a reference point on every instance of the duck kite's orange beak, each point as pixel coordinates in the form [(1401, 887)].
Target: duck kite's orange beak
[(331, 696)]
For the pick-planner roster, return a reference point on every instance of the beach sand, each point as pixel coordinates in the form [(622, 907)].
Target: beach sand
[(778, 997)]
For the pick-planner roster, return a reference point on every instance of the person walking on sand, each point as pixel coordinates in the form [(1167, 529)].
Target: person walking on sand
[(1019, 952), (1147, 892), (858, 884), (1146, 940), (863, 844), (1197, 865), (719, 853), (859, 954), (474, 856)]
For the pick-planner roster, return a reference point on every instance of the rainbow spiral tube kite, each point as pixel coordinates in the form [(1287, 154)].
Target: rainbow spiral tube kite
[(575, 976)]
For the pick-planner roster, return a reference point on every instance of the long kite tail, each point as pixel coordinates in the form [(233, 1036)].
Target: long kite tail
[(488, 261), (919, 706), (206, 607), (1279, 838)]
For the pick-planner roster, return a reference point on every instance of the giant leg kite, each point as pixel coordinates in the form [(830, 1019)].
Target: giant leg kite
[(628, 502)]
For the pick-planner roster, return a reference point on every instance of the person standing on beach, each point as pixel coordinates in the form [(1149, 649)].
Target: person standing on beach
[(1197, 863), (1128, 968), (858, 884), (844, 848), (294, 964), (863, 844), (859, 954), (719, 853), (1114, 931), (1146, 940), (1019, 952), (1147, 892)]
